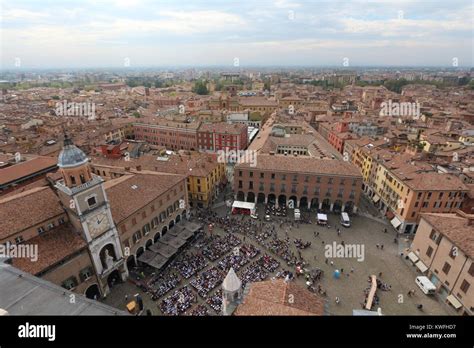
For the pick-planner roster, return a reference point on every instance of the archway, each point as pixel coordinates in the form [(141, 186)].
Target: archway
[(349, 207), (131, 262), (240, 196), (183, 215), (140, 251), (93, 292), (293, 202), (107, 256), (148, 244), (156, 237), (281, 200), (171, 224), (261, 197), (326, 205), (271, 199), (164, 230), (178, 218), (251, 197), (113, 278), (337, 207), (304, 203), (315, 203)]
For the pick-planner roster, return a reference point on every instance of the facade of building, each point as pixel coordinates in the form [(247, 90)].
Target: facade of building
[(222, 136), (444, 244), (170, 134), (329, 185)]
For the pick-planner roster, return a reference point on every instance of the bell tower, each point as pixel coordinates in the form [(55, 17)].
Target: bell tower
[(84, 198)]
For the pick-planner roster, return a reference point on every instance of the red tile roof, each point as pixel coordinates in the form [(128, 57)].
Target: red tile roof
[(27, 209)]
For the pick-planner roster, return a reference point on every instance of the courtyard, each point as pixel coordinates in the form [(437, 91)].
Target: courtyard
[(198, 294)]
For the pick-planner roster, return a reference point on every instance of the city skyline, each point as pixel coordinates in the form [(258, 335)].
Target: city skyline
[(141, 33)]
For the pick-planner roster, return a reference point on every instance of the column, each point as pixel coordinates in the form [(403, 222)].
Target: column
[(309, 205), (320, 205), (245, 197), (354, 210), (343, 208), (332, 206), (297, 203), (266, 199)]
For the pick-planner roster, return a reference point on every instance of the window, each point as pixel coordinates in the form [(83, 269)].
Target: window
[(69, 283), (240, 173), (136, 237), (60, 220), (251, 174), (240, 183), (465, 286), (19, 240), (146, 229), (471, 269), (50, 226), (429, 251), (262, 175), (446, 268), (85, 274), (91, 201), (40, 230)]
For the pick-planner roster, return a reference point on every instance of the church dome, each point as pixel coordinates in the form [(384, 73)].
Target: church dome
[(71, 156)]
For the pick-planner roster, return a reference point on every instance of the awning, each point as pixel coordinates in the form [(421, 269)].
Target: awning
[(412, 256), (376, 198), (395, 222), (421, 266), (147, 256), (454, 301), (163, 249)]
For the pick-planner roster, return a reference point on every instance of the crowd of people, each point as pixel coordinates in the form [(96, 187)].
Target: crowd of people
[(207, 281), (268, 262), (220, 246), (253, 273), (215, 301), (199, 311), (162, 284), (189, 264), (234, 261), (178, 302)]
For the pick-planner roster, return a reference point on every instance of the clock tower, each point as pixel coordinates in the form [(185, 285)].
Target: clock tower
[(83, 196)]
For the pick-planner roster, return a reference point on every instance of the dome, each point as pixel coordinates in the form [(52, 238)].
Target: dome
[(71, 156)]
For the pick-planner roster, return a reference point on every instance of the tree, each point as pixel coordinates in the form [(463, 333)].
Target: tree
[(200, 88)]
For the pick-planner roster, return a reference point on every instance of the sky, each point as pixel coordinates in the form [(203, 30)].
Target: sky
[(145, 33)]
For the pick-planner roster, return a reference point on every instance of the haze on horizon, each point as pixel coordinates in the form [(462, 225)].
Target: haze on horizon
[(145, 33)]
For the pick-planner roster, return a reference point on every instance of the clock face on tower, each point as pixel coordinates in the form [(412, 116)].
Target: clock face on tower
[(97, 223)]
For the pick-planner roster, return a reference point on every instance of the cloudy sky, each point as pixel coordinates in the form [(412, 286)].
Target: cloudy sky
[(114, 33)]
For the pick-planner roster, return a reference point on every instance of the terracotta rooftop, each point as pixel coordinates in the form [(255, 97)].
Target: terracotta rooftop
[(53, 246), (455, 228), (290, 163), (27, 209), (130, 193), (277, 297), (222, 127), (29, 167)]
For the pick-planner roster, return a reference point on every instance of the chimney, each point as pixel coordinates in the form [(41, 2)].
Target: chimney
[(139, 168), (469, 217)]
